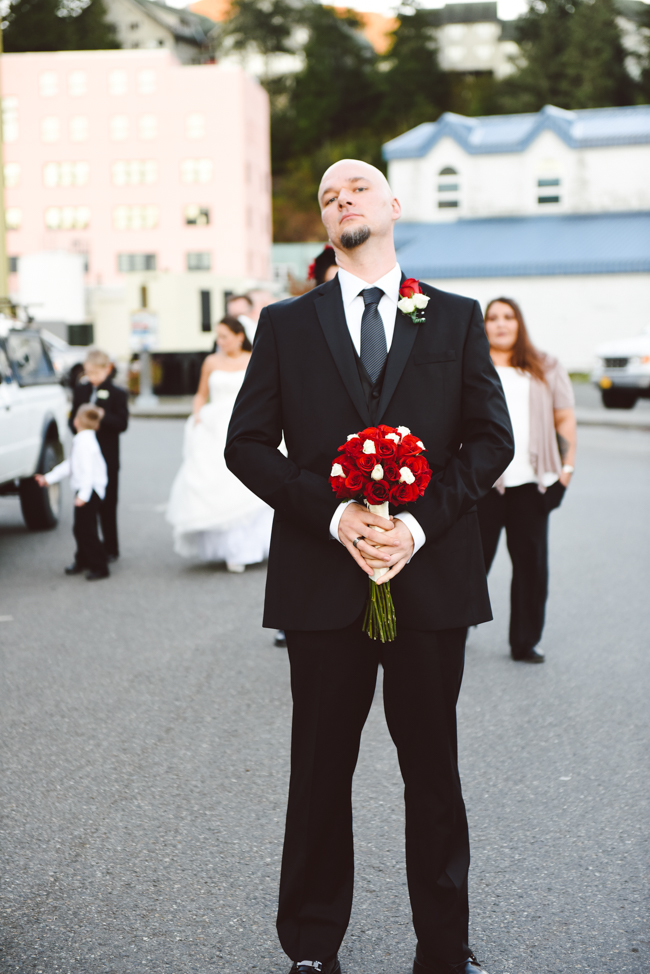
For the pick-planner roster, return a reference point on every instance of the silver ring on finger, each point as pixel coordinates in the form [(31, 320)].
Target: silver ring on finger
[(357, 540)]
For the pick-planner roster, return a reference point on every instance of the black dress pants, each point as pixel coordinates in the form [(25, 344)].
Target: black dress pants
[(521, 512), (333, 677), (90, 551), (108, 513)]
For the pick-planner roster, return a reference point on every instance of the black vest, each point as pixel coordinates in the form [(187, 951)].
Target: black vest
[(371, 390)]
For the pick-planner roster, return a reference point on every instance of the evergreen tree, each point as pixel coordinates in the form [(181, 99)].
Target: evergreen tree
[(49, 25), (415, 89), (594, 60)]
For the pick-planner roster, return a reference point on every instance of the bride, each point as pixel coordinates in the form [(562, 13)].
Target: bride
[(216, 518)]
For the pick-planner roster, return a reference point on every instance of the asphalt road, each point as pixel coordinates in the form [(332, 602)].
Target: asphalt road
[(145, 733)]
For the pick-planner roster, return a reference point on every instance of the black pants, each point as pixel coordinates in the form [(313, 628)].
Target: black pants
[(90, 550), (333, 676), (108, 513), (521, 512)]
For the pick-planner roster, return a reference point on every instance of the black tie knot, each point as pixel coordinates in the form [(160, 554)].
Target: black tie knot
[(372, 295)]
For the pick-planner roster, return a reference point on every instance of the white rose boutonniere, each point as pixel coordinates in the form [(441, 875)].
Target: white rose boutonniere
[(412, 301)]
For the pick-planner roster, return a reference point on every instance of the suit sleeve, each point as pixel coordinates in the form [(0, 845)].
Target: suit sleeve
[(255, 434), (487, 444), (116, 419)]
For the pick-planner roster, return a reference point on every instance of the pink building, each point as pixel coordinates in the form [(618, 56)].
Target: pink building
[(138, 163)]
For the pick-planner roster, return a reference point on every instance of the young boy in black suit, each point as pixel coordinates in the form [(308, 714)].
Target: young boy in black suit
[(99, 388)]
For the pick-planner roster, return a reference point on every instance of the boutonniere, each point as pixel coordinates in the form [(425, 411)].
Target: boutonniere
[(102, 394), (412, 301)]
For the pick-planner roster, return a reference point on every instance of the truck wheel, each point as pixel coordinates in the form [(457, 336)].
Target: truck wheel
[(619, 399), (41, 505)]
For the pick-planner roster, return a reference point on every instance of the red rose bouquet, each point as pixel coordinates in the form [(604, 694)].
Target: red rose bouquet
[(376, 467)]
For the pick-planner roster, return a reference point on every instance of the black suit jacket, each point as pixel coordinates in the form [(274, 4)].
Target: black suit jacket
[(116, 417), (303, 381)]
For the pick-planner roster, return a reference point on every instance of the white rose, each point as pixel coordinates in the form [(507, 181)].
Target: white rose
[(421, 444), (403, 431), (394, 436), (406, 476), (420, 300), (369, 446), (337, 471), (407, 305), (378, 472), (353, 436)]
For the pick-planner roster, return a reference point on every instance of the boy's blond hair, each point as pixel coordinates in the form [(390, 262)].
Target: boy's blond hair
[(97, 358), (89, 416)]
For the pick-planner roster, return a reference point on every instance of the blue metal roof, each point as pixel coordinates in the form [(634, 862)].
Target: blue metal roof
[(513, 133), (607, 243)]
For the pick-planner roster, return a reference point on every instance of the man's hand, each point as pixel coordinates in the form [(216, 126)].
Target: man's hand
[(78, 502), (40, 480), (390, 548)]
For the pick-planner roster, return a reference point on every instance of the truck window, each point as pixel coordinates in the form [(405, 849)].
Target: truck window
[(30, 358)]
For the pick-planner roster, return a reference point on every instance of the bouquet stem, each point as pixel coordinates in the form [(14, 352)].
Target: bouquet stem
[(379, 621)]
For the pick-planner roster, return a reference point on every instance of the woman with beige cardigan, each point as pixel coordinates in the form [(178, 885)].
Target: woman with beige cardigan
[(541, 404)]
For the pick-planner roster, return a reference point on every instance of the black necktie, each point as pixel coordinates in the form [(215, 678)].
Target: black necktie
[(373, 335)]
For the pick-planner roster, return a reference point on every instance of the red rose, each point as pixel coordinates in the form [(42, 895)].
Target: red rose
[(409, 447), (417, 464), (353, 447), (366, 462), (410, 287), (370, 433), (404, 494), (377, 492), (385, 430), (391, 471), (355, 481), (386, 449)]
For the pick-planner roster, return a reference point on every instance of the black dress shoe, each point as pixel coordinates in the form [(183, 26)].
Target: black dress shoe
[(470, 966), (316, 967), (533, 655), (73, 569), (111, 558), (280, 639), (94, 576)]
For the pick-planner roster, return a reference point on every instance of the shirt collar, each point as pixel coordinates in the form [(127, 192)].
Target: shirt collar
[(352, 286)]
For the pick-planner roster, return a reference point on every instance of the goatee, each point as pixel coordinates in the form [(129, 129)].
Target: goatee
[(354, 238)]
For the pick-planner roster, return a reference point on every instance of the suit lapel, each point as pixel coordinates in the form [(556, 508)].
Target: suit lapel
[(403, 338), (329, 308)]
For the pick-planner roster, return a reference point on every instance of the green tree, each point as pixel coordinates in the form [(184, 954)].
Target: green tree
[(594, 59), (53, 25)]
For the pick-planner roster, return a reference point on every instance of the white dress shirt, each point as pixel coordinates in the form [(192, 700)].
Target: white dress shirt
[(86, 467), (353, 306)]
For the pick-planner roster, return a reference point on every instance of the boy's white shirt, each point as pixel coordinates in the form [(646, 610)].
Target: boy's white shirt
[(86, 467)]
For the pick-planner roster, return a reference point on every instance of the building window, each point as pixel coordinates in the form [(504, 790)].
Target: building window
[(117, 83), (13, 217), (10, 118), (146, 82), (135, 217), (448, 189), (197, 216), (547, 183), (77, 83), (12, 265), (134, 172), (48, 84), (12, 174), (50, 129), (66, 174), (127, 263), (67, 217), (119, 128), (206, 310), (79, 128), (195, 126), (196, 170), (200, 260), (148, 127)]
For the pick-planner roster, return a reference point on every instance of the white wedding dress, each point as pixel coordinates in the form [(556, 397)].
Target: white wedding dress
[(216, 518)]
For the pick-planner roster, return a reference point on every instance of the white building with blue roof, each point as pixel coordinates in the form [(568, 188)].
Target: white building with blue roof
[(551, 208)]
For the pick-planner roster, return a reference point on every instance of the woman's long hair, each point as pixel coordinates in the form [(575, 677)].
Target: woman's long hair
[(236, 327), (524, 355)]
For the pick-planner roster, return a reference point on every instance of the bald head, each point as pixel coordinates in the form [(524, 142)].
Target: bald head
[(348, 170)]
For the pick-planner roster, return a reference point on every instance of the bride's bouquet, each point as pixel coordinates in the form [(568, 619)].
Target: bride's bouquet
[(379, 466)]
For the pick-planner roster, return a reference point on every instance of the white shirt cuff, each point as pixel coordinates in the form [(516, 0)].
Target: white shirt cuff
[(334, 523), (419, 537)]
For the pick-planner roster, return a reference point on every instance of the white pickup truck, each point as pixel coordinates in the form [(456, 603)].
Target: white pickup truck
[(623, 371), (33, 423)]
